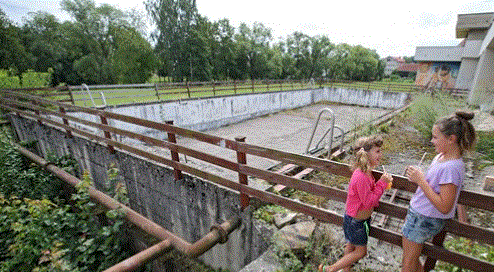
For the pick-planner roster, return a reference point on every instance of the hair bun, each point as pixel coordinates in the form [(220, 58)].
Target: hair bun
[(467, 115)]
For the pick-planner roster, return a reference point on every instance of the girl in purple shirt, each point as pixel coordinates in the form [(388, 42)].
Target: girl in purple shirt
[(437, 194), (363, 195)]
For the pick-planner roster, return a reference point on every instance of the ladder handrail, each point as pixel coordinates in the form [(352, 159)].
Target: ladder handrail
[(85, 87), (331, 129)]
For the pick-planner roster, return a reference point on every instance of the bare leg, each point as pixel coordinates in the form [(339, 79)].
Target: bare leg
[(411, 254), (350, 257), (349, 248)]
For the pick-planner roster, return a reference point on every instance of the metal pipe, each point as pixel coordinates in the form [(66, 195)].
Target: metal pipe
[(142, 257), (218, 233)]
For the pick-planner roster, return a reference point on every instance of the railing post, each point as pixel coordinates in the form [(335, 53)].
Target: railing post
[(65, 122), (107, 133), (291, 81), (281, 86), (267, 85), (172, 139), (35, 103), (242, 178), (438, 240), (156, 90), (188, 90), (252, 83), (214, 91), (71, 95), (234, 86)]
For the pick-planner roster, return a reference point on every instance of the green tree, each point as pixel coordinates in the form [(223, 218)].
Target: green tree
[(175, 21), (13, 53), (41, 37), (134, 59), (354, 63), (310, 54), (222, 48), (365, 63), (95, 44), (253, 50)]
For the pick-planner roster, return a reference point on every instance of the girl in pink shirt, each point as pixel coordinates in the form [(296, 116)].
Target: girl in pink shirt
[(363, 195)]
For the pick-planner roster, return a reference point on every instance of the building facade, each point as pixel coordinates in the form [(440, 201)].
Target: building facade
[(391, 64), (469, 65)]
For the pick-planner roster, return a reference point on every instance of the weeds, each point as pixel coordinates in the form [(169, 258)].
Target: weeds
[(40, 231), (426, 109), (485, 144)]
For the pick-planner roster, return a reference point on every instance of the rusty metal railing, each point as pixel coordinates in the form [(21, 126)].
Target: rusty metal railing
[(22, 105)]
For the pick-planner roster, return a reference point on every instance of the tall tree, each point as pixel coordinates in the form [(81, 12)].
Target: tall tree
[(253, 50), (13, 53), (93, 42), (310, 54), (133, 60), (175, 21), (42, 38), (222, 48)]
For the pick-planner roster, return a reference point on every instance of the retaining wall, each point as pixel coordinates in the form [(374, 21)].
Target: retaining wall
[(187, 207)]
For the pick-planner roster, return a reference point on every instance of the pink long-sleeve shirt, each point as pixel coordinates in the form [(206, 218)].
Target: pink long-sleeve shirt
[(363, 192)]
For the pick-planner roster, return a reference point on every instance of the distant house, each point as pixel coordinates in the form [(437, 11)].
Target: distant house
[(391, 64), (407, 69), (469, 65)]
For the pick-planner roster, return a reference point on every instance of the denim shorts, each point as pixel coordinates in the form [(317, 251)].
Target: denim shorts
[(419, 228), (356, 231)]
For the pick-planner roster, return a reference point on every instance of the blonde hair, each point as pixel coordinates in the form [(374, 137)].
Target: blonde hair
[(458, 124), (361, 148)]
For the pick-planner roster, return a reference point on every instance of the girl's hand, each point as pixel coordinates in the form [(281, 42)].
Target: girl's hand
[(414, 174), (387, 177)]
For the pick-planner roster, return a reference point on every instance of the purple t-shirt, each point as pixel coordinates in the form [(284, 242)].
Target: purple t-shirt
[(452, 171)]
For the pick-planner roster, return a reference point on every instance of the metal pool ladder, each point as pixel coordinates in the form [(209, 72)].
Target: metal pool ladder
[(329, 144), (85, 87)]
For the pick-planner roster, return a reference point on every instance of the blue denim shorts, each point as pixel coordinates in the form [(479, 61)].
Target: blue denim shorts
[(356, 231), (419, 228)]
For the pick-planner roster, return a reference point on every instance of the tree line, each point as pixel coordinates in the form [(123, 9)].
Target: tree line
[(104, 45)]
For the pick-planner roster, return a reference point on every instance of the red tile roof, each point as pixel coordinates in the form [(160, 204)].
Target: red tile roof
[(408, 67)]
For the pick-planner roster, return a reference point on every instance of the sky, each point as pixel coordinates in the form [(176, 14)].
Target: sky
[(392, 28)]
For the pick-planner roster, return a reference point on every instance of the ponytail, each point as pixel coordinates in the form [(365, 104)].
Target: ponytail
[(362, 160), (458, 124), (361, 151)]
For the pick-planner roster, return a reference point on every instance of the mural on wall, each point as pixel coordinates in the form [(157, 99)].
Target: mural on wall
[(437, 75)]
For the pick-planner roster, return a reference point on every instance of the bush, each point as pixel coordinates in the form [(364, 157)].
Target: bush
[(426, 109), (23, 179), (7, 81), (31, 79), (40, 231)]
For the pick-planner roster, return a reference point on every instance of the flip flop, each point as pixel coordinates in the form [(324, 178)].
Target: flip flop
[(322, 268)]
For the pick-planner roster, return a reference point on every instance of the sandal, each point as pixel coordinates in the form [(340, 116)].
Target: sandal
[(322, 268)]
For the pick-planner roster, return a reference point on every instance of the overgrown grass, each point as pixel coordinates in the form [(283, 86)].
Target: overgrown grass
[(485, 144), (427, 109)]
